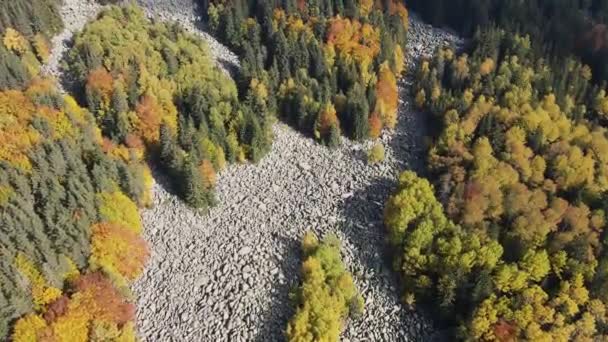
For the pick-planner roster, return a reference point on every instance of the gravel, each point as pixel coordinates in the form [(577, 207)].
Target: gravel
[(225, 275)]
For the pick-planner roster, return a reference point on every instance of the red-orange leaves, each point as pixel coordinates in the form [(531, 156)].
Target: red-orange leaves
[(56, 309), (326, 120), (94, 301), (149, 114), (387, 96), (208, 174), (397, 7), (118, 251), (327, 126), (102, 299), (375, 125), (99, 88)]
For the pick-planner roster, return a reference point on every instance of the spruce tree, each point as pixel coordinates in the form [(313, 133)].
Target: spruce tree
[(193, 189), (357, 110)]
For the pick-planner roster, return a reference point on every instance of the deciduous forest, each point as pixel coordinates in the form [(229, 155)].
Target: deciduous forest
[(509, 244), (154, 90)]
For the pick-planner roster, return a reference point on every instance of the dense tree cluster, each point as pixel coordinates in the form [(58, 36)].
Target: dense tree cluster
[(31, 17), (326, 66), (66, 207), (25, 29), (521, 167), (560, 27), (154, 88), (327, 295)]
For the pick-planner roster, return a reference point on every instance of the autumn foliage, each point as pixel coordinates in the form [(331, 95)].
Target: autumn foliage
[(387, 96), (328, 66), (510, 241), (94, 306), (141, 76), (58, 178), (327, 294), (149, 114), (118, 251)]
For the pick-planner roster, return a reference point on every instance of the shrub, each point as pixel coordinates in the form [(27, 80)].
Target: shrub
[(376, 154)]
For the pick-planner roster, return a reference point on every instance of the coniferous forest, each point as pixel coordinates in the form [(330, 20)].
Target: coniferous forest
[(502, 236), (560, 28), (332, 66)]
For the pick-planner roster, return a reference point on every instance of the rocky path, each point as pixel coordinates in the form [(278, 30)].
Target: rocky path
[(226, 275)]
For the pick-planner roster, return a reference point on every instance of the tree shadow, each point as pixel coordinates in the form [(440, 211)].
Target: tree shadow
[(372, 254), (67, 79), (273, 321), (412, 133)]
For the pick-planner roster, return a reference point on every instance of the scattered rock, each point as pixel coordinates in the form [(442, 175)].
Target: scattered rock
[(244, 250), (304, 166)]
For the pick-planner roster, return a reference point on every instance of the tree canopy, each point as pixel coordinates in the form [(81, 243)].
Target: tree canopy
[(325, 67), (510, 242), (327, 295), (154, 87)]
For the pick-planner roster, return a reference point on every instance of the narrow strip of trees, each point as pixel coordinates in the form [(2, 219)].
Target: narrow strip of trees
[(327, 295)]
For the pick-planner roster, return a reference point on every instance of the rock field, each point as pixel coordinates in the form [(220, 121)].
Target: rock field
[(225, 275)]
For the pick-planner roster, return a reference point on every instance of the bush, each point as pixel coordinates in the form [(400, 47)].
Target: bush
[(376, 154)]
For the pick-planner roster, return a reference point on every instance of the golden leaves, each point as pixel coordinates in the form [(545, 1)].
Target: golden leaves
[(118, 251), (13, 40)]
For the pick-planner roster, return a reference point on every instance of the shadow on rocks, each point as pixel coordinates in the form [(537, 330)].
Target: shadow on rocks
[(67, 79), (162, 177), (371, 259), (414, 129), (284, 278)]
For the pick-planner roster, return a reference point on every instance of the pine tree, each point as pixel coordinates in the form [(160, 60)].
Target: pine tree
[(357, 111), (193, 189), (168, 150)]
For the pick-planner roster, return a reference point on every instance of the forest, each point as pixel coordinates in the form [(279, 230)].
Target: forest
[(331, 67), (509, 243), (558, 28), (74, 175), (502, 239), (25, 28), (70, 240), (154, 89)]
